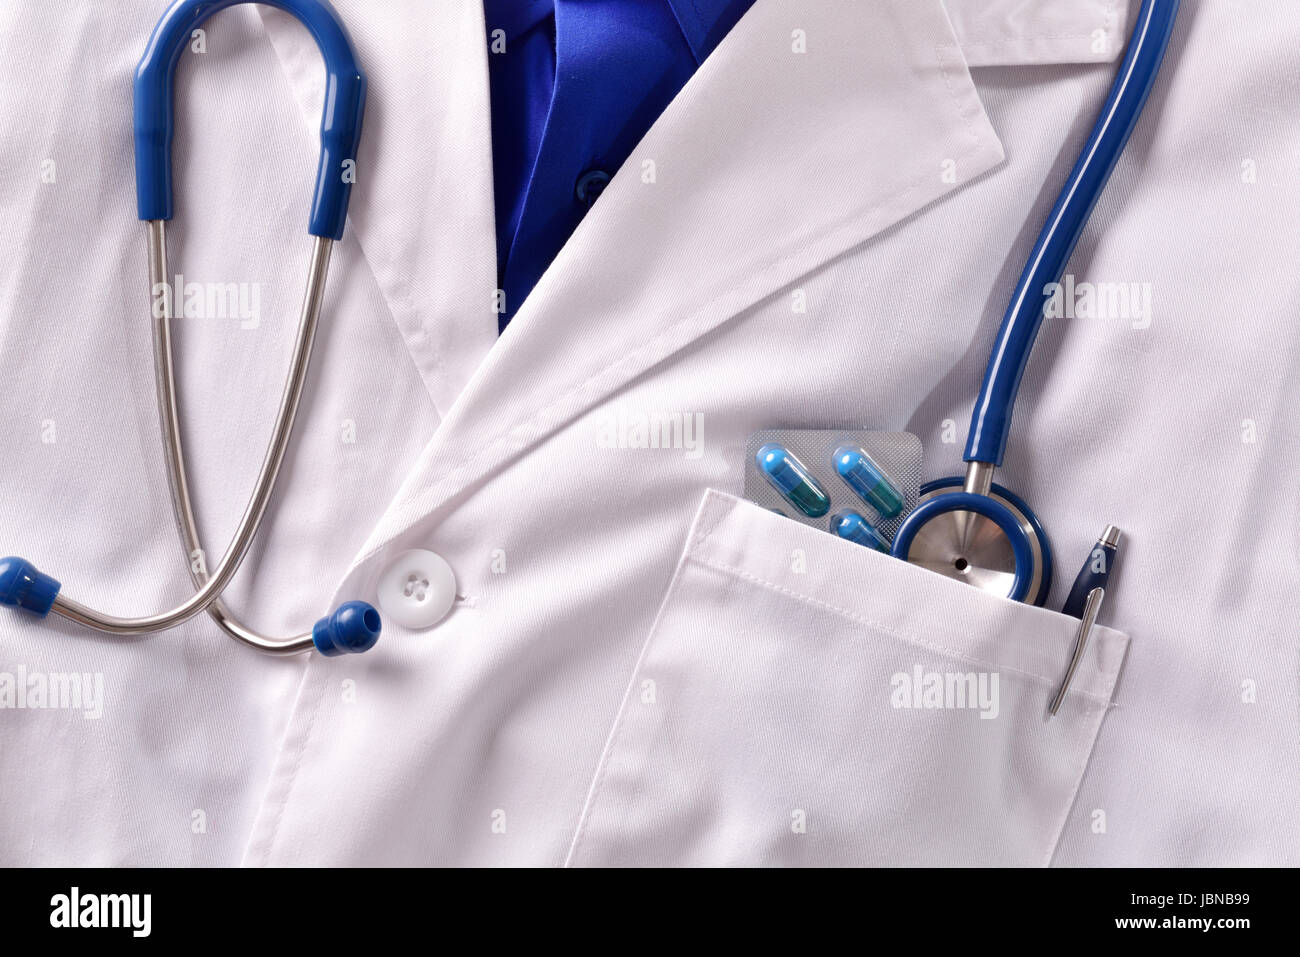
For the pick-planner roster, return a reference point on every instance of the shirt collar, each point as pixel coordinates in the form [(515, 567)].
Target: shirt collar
[(705, 22), (516, 17)]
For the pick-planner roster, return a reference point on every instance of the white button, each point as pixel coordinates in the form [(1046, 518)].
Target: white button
[(418, 589)]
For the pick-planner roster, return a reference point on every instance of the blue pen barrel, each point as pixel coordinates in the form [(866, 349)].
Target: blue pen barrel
[(1095, 573)]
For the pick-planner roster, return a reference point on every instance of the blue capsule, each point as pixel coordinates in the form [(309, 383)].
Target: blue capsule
[(789, 477), (865, 477), (855, 528)]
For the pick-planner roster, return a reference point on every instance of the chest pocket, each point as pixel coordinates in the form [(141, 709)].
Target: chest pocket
[(803, 700)]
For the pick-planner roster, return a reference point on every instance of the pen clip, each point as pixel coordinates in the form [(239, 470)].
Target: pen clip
[(1089, 619)]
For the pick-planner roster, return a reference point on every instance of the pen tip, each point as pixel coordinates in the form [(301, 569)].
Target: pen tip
[(1110, 537)]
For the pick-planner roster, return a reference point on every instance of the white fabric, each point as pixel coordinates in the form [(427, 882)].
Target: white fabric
[(828, 238), (1002, 32)]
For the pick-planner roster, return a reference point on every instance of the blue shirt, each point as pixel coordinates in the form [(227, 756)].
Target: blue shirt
[(577, 86)]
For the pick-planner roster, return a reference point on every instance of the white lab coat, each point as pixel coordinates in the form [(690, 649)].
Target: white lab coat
[(822, 230)]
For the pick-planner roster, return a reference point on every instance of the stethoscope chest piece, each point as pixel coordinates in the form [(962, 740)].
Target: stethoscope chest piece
[(992, 541)]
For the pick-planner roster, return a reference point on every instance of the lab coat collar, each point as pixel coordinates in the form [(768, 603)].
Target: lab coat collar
[(797, 140), (422, 210), (421, 216), (1014, 32)]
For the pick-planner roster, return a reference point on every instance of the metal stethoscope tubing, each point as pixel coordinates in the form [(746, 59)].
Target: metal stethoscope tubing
[(967, 527), (210, 587), (173, 451), (353, 627)]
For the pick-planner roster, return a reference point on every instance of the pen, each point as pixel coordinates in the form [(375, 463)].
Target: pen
[(1094, 573), (1084, 601)]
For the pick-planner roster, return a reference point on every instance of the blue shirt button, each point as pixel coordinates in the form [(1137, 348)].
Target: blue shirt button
[(590, 185)]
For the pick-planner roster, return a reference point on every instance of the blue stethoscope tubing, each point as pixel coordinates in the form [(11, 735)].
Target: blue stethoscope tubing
[(991, 421), (340, 132)]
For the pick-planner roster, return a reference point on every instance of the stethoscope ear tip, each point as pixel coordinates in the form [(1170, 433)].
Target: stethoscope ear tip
[(353, 628), (23, 586)]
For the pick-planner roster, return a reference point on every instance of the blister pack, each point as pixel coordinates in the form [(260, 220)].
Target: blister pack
[(852, 483)]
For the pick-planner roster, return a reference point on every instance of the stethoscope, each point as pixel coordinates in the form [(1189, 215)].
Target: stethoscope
[(970, 528), (354, 626)]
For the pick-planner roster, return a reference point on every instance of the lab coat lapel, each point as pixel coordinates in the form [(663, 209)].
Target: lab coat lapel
[(812, 128), (422, 207)]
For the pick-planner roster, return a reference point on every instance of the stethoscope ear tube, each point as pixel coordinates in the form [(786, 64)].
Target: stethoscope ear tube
[(991, 421), (355, 626), (345, 99)]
